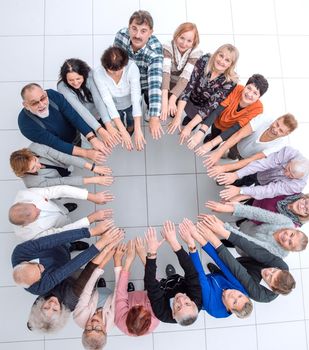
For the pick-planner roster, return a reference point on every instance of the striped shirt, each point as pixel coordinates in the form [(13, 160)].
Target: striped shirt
[(149, 60)]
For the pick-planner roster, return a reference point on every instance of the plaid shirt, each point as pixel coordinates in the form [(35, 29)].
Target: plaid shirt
[(149, 60)]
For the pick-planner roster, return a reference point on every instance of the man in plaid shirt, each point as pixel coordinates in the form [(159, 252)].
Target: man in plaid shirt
[(146, 50)]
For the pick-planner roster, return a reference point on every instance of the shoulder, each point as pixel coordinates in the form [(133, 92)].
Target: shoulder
[(168, 47), (196, 53), (154, 46)]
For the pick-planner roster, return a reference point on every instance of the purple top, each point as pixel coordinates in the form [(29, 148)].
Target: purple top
[(270, 175)]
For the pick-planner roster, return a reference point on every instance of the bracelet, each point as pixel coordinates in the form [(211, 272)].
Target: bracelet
[(93, 166), (202, 130), (90, 138), (149, 255)]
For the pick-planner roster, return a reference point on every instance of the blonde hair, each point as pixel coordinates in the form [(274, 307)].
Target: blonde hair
[(230, 74), (187, 27)]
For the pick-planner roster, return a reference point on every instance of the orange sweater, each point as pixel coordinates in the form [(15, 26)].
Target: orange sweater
[(230, 116)]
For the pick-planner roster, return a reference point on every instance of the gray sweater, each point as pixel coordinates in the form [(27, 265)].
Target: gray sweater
[(50, 177), (248, 270), (261, 234), (90, 112)]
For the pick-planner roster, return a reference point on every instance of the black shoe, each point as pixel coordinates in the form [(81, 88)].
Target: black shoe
[(213, 268), (130, 130), (207, 138), (131, 287), (78, 245), (70, 206), (227, 243), (101, 283), (239, 222), (170, 270)]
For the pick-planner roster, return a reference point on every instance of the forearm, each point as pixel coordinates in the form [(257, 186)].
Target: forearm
[(137, 123), (119, 125), (83, 278), (195, 121)]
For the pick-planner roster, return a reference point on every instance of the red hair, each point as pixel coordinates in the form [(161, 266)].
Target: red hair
[(138, 320)]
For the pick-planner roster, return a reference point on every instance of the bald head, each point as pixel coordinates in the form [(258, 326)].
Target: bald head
[(22, 214)]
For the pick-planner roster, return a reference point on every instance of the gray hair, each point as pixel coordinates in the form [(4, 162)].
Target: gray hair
[(19, 275), (38, 321), (27, 87), (300, 165), (187, 320), (93, 343), (245, 311)]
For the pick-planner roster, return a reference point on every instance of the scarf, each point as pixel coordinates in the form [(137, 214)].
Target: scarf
[(282, 207)]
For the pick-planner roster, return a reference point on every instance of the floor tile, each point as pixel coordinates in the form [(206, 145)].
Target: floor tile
[(8, 243), (167, 156), (10, 58), (180, 340), (31, 345), (196, 15), (164, 192), (31, 11), (130, 201), (283, 336), (235, 338), (68, 24)]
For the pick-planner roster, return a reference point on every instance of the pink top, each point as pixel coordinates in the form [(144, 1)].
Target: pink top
[(125, 300), (88, 302)]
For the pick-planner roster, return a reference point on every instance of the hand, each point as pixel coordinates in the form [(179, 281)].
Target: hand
[(140, 249), (214, 224), (126, 140), (195, 140), (201, 151), (139, 139), (101, 227), (99, 146), (106, 254), (220, 207), (103, 197), (152, 241), (114, 133), (113, 235), (164, 108), (172, 107), (119, 253), (155, 128), (185, 229), (184, 134), (204, 231), (169, 233), (214, 171), (174, 125), (106, 137), (211, 159), (130, 252), (104, 180), (102, 214), (229, 192), (102, 170), (227, 178), (96, 156)]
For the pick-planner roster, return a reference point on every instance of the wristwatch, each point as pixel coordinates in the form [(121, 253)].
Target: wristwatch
[(192, 248), (149, 255)]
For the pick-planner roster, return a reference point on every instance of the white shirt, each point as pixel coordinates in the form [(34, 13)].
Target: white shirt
[(251, 144), (122, 95)]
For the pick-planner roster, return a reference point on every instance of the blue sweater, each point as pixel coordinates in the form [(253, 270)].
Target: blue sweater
[(54, 255), (214, 284), (60, 125)]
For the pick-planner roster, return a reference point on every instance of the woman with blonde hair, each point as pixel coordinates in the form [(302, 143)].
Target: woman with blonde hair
[(212, 80), (180, 56)]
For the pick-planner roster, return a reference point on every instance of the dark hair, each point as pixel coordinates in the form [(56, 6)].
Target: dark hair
[(284, 283), (28, 87), (141, 17), (138, 320), (114, 58), (259, 82), (80, 67)]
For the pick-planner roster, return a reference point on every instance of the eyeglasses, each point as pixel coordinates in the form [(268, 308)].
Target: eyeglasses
[(96, 328), (36, 103)]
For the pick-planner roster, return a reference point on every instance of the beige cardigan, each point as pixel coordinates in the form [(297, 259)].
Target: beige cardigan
[(89, 298)]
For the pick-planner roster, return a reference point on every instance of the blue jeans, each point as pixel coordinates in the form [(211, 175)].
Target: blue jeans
[(126, 116)]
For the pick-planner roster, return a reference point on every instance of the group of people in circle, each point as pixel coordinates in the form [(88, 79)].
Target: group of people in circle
[(200, 96)]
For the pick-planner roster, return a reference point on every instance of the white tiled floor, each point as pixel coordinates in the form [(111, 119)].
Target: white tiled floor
[(165, 181)]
